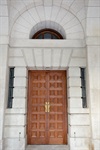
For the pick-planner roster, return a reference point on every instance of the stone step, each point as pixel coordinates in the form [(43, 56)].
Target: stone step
[(47, 147)]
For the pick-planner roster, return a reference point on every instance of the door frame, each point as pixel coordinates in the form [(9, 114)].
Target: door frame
[(66, 105)]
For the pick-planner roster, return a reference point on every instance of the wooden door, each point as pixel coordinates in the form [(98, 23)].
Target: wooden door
[(47, 119)]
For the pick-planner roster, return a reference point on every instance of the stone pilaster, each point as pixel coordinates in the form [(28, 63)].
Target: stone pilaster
[(3, 88), (3, 64), (93, 65)]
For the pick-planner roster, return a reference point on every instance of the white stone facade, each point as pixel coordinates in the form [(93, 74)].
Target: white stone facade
[(79, 23)]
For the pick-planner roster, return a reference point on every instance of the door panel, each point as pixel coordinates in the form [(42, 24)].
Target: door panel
[(37, 125), (47, 90), (57, 99)]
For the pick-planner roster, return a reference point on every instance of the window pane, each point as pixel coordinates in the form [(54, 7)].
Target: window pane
[(11, 72), (83, 73), (83, 92), (83, 82), (10, 92), (54, 37), (11, 82), (47, 36), (40, 37), (10, 103), (84, 102)]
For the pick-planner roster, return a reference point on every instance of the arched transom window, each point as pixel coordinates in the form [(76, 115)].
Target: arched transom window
[(47, 34)]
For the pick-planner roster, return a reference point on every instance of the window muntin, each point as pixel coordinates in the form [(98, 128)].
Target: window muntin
[(47, 34)]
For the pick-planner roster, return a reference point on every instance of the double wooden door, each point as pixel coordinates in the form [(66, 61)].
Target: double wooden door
[(47, 122)]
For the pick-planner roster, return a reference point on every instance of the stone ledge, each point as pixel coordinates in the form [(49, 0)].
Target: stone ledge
[(16, 111), (78, 111), (79, 119), (46, 43)]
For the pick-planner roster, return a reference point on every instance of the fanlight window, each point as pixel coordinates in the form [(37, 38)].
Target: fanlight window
[(47, 34)]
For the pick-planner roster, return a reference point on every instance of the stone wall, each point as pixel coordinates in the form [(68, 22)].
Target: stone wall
[(78, 117), (81, 21), (54, 58), (16, 117)]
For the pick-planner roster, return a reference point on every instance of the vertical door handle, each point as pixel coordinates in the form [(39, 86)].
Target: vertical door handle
[(47, 106)]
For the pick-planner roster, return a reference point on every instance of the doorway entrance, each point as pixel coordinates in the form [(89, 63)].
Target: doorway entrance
[(47, 114)]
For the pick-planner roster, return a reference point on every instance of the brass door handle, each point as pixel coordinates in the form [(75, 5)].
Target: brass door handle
[(47, 107)]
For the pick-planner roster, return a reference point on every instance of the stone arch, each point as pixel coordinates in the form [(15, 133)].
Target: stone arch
[(61, 17)]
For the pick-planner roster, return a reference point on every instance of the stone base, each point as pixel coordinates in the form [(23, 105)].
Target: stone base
[(79, 143), (14, 144), (1, 144), (47, 147), (95, 145)]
